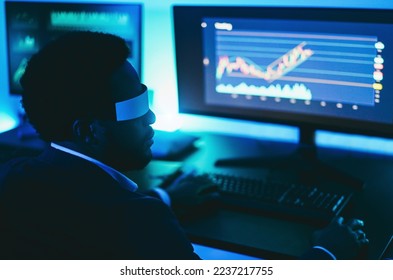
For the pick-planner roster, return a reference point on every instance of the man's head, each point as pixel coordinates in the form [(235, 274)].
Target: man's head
[(72, 89)]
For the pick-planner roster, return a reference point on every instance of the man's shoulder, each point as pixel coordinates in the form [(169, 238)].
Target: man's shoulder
[(13, 167)]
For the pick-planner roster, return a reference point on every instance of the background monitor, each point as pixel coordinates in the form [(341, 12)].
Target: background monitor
[(30, 25), (314, 68)]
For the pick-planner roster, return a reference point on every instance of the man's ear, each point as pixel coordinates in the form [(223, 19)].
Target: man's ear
[(84, 131)]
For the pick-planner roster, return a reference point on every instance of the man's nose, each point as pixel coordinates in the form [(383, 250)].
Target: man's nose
[(150, 117)]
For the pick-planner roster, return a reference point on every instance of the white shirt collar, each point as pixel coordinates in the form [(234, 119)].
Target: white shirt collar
[(123, 180)]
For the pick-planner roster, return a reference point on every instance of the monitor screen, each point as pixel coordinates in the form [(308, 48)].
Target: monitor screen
[(315, 68), (30, 25)]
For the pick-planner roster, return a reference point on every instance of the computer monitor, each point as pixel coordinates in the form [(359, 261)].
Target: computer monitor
[(313, 68), (30, 25)]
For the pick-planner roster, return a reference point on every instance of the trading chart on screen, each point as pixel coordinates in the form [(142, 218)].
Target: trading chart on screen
[(295, 66)]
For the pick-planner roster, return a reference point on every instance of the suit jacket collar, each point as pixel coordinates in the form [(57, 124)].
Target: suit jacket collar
[(68, 161)]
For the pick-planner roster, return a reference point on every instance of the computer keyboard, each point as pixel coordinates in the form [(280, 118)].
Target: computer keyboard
[(311, 203)]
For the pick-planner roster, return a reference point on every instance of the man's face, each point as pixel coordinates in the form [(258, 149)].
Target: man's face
[(125, 145)]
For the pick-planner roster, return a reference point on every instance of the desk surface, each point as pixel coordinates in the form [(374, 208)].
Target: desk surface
[(269, 237), (257, 235)]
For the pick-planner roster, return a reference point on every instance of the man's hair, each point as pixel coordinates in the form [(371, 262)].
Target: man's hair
[(68, 79)]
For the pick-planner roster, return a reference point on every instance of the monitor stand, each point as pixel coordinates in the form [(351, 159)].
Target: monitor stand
[(303, 161)]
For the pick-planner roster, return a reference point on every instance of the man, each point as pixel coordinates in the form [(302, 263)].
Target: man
[(85, 99)]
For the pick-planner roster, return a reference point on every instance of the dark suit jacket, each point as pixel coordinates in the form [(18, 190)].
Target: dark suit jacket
[(58, 206)]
